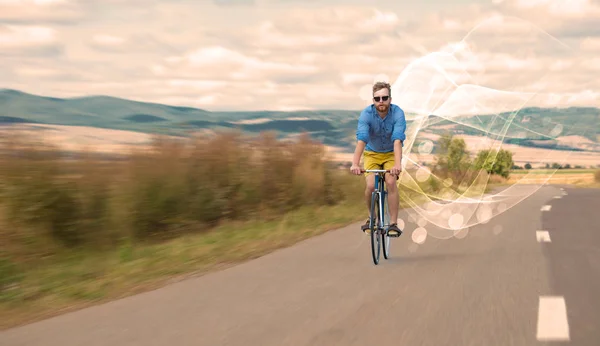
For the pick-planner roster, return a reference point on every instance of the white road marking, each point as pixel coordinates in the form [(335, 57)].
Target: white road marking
[(557, 197), (552, 322), (542, 236), (546, 208)]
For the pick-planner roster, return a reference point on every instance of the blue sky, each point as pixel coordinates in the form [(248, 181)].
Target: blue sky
[(291, 54)]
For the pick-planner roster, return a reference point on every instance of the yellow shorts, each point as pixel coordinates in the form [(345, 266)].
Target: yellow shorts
[(373, 160)]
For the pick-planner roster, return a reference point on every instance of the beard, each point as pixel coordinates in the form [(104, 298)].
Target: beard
[(382, 108)]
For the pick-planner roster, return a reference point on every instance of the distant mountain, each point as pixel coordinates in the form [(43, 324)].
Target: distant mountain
[(333, 127), (117, 113)]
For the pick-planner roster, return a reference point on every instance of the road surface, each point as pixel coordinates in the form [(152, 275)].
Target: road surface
[(527, 277)]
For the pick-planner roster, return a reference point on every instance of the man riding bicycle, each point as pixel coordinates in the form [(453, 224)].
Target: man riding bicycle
[(380, 134)]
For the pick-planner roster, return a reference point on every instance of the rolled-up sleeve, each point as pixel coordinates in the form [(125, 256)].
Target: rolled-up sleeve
[(362, 130), (399, 127)]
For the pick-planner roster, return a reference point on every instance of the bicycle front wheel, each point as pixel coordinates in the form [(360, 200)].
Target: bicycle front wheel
[(375, 239), (385, 238)]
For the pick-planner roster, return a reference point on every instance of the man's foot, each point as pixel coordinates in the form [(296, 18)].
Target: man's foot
[(366, 227), (394, 231)]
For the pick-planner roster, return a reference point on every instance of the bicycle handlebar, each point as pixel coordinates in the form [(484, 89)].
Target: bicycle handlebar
[(375, 171)]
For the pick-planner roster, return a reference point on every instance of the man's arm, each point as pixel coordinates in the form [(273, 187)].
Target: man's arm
[(399, 127), (362, 138), (360, 147), (398, 136), (398, 144)]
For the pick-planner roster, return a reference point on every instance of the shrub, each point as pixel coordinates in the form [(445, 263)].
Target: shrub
[(495, 162), (172, 186)]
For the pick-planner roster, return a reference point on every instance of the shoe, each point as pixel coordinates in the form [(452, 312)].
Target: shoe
[(366, 227), (394, 231)]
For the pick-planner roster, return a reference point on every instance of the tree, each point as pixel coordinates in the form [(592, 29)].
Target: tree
[(527, 165), (453, 157), (495, 162)]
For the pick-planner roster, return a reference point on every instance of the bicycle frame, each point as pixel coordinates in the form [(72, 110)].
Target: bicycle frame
[(381, 191), (379, 222)]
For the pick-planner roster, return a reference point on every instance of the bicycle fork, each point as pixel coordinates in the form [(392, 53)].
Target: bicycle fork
[(381, 195)]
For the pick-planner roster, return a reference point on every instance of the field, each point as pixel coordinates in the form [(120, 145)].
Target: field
[(110, 141), (576, 177)]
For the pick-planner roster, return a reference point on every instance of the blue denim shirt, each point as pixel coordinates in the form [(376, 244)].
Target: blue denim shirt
[(378, 133)]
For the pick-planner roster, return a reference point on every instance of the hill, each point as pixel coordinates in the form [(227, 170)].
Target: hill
[(529, 127)]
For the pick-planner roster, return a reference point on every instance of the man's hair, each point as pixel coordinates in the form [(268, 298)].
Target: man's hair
[(382, 85)]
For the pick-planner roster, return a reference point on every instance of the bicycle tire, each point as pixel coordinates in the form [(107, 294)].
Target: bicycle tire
[(385, 238), (375, 242)]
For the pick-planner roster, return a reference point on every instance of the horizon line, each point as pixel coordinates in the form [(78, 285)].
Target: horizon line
[(4, 89)]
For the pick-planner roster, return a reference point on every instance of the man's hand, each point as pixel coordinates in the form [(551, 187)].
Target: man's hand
[(396, 169), (355, 169)]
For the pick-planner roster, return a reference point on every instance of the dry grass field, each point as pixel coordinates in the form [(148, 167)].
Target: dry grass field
[(78, 138), (566, 178)]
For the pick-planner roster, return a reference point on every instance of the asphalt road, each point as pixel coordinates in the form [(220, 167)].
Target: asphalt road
[(573, 258), (501, 284)]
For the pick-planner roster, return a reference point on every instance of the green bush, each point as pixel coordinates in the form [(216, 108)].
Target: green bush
[(495, 162)]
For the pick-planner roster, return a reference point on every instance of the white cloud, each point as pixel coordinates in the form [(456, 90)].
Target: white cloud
[(590, 44), (277, 57), (198, 85), (36, 11), (268, 36), (357, 78), (38, 72), (30, 41), (108, 40), (380, 20), (592, 64), (32, 2), (563, 8), (13, 35), (221, 62), (49, 2)]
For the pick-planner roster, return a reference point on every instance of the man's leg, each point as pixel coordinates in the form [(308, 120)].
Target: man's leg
[(391, 182), (370, 182), (370, 162), (393, 198)]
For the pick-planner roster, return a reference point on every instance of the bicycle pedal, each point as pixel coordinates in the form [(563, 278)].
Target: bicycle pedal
[(394, 235)]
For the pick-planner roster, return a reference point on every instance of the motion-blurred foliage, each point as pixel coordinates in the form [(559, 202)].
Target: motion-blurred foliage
[(51, 201)]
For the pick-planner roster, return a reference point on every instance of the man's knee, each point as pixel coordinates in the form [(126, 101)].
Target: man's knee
[(370, 183), (390, 181)]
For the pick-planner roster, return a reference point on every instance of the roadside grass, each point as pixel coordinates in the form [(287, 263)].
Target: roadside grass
[(553, 171), (77, 279), (590, 184)]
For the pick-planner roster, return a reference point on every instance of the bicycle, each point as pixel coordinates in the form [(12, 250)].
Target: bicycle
[(379, 218)]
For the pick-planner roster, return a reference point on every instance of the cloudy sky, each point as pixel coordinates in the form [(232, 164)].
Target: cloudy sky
[(303, 54)]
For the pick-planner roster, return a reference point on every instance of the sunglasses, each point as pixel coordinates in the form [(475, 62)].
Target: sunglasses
[(381, 98)]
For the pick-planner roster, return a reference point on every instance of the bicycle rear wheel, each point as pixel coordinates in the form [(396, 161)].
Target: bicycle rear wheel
[(375, 239)]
